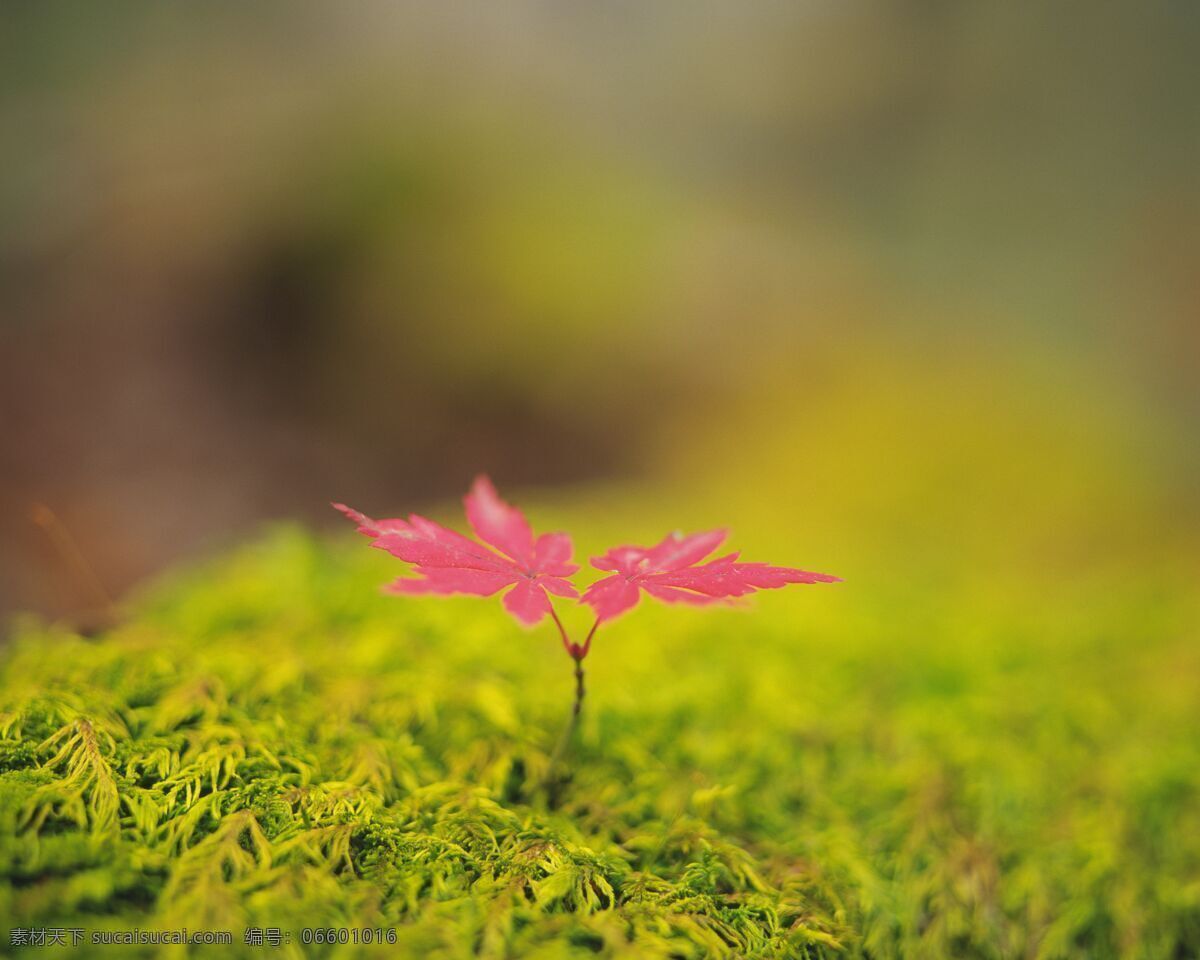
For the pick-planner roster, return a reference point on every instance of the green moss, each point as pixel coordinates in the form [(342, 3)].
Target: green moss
[(270, 742)]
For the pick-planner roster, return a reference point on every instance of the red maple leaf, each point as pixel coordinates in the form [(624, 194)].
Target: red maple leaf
[(447, 562), (672, 571)]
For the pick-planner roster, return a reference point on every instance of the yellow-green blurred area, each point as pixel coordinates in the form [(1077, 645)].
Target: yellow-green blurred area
[(901, 292), (898, 277)]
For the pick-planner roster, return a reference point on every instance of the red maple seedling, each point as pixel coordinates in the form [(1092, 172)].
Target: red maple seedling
[(531, 569)]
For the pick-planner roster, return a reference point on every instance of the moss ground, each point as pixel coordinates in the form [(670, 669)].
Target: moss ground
[(268, 742)]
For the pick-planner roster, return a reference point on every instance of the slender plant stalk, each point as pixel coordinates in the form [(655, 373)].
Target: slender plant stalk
[(579, 689), (568, 734), (577, 652)]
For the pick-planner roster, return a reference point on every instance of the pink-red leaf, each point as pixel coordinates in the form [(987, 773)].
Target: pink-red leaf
[(611, 596), (498, 524), (552, 554), (671, 571), (367, 525), (527, 601), (447, 562), (676, 595), (677, 551), (426, 550), (443, 580)]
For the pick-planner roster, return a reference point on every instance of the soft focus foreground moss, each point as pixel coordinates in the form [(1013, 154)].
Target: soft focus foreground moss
[(270, 742)]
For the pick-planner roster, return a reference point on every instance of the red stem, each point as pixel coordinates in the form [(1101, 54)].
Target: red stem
[(574, 650), (587, 643), (577, 653), (562, 632)]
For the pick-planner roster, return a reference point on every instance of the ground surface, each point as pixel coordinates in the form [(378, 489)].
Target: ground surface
[(268, 741)]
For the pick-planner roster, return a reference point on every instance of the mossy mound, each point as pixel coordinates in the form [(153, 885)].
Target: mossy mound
[(269, 743)]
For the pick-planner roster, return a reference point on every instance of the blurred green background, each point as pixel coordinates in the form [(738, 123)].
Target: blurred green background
[(905, 292), (913, 283)]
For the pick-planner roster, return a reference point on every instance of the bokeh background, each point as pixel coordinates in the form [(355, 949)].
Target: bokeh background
[(913, 288)]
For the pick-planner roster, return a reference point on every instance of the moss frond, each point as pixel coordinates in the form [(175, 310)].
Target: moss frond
[(268, 742)]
